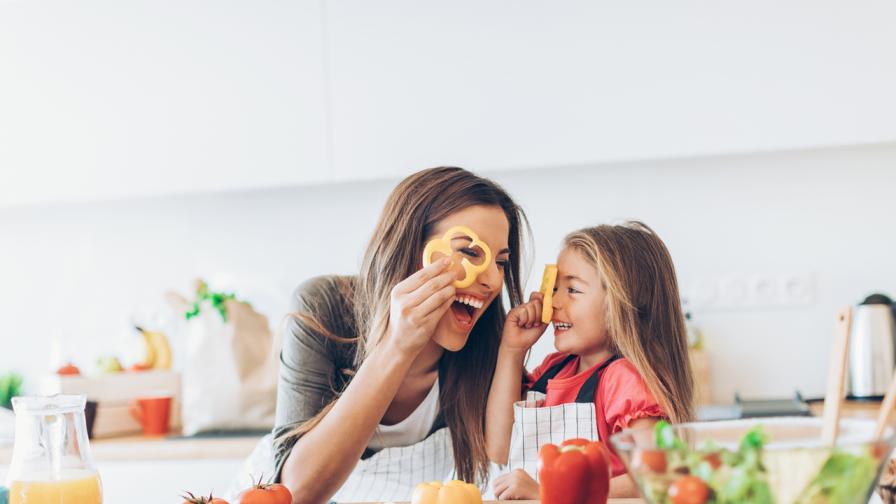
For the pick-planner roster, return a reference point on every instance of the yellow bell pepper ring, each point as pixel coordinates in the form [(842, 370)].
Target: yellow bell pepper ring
[(548, 281), (453, 492), (443, 245)]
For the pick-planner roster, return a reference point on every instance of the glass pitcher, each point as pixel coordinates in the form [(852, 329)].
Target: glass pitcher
[(51, 461)]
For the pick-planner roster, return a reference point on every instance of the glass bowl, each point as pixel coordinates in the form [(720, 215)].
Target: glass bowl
[(761, 460)]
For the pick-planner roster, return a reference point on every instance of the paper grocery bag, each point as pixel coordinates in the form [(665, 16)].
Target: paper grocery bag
[(230, 370)]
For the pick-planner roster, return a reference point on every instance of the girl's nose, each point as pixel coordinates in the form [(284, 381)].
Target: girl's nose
[(557, 299)]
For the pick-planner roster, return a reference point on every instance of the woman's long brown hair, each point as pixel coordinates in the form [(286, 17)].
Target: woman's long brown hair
[(644, 317), (394, 252)]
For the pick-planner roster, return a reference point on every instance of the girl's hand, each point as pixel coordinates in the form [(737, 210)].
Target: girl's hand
[(417, 304), (523, 326), (517, 485)]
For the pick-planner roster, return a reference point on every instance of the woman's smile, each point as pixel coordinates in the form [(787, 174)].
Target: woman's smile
[(467, 309), (491, 226)]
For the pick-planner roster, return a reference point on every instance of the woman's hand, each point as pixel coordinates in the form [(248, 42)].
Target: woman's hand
[(516, 485), (417, 304), (523, 326)]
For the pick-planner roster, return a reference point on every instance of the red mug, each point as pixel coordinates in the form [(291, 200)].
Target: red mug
[(153, 414)]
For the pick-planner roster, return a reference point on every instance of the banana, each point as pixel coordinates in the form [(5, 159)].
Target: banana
[(158, 351), (149, 352), (162, 350)]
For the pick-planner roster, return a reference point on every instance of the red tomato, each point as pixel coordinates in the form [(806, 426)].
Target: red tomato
[(189, 498), (653, 459), (689, 490), (274, 493), (879, 450), (715, 461), (68, 370)]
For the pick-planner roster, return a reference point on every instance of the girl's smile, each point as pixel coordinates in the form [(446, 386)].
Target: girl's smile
[(579, 304), (560, 326)]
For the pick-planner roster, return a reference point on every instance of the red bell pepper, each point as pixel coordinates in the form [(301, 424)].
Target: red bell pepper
[(576, 472)]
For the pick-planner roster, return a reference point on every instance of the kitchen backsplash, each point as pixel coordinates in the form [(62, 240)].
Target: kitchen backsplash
[(822, 217)]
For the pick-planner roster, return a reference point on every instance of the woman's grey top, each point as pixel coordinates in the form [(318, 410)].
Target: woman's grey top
[(312, 365), (315, 368)]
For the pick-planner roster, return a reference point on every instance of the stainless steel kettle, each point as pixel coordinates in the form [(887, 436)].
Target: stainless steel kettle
[(872, 352)]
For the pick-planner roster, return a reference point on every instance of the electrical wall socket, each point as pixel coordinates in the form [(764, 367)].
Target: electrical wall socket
[(734, 291)]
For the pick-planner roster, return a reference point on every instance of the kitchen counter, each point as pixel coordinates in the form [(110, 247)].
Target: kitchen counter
[(197, 448), (851, 409), (611, 501), (139, 448), (212, 462)]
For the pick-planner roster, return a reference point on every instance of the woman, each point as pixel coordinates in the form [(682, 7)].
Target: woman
[(384, 376)]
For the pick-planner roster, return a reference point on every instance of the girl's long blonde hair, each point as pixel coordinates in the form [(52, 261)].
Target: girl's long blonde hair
[(394, 252), (644, 317)]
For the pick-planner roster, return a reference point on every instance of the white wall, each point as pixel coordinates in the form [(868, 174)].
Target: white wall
[(105, 99), (109, 99), (77, 269)]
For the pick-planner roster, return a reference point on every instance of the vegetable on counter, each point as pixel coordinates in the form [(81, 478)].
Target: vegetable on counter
[(68, 370), (258, 493), (576, 472), (689, 490), (453, 492), (266, 493), (677, 474), (189, 498)]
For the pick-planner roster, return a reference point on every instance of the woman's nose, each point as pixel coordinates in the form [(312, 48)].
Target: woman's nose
[(491, 278)]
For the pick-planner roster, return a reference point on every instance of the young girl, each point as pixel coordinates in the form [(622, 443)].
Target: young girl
[(621, 357)]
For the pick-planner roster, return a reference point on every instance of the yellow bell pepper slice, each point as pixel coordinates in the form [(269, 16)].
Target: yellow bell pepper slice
[(548, 281), (453, 492), (443, 245)]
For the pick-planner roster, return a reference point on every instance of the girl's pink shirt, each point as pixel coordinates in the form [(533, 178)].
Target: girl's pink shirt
[(621, 396)]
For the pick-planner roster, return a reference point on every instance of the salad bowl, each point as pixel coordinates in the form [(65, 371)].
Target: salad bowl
[(759, 461)]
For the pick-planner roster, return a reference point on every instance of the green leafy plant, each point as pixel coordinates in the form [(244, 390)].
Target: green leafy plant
[(217, 300), (10, 386)]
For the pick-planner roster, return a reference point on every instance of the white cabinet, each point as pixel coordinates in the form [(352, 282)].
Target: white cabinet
[(510, 84), (111, 99)]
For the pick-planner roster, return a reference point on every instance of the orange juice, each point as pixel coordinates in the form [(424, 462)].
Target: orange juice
[(71, 487)]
